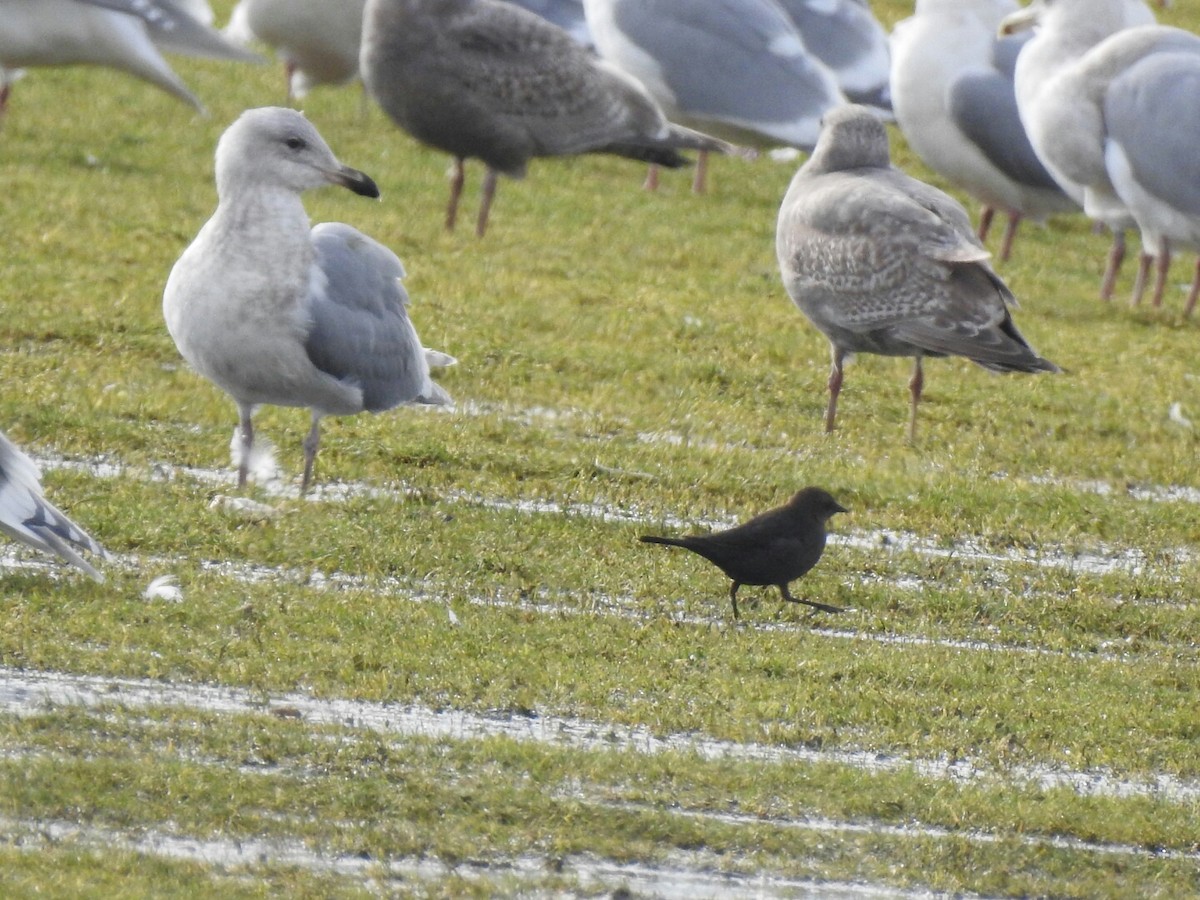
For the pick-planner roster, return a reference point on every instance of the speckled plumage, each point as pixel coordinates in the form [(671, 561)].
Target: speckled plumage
[(882, 263), (482, 79)]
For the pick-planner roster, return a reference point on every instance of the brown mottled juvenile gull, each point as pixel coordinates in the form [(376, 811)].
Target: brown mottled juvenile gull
[(483, 79), (27, 516), (272, 312), (883, 263)]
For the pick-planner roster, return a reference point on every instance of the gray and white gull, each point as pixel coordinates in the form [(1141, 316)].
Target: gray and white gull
[(484, 79), (273, 312), (1061, 77), (883, 263), (954, 99), (1152, 135), (318, 41), (27, 516), (127, 35)]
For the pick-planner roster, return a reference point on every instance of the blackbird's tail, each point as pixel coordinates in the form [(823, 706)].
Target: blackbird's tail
[(670, 542)]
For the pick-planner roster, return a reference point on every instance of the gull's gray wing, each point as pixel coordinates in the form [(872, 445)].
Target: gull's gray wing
[(175, 30), (1006, 50), (761, 72), (28, 517), (847, 38), (889, 207), (566, 14), (1150, 111), (984, 107), (361, 332)]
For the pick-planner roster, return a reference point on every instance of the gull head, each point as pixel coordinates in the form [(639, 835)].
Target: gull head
[(852, 137), (280, 148)]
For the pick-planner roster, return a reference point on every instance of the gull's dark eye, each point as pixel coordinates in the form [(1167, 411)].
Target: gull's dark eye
[(295, 143)]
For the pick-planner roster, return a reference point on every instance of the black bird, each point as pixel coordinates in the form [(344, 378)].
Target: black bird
[(776, 547)]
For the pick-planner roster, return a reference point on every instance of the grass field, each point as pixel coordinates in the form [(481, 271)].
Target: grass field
[(454, 670)]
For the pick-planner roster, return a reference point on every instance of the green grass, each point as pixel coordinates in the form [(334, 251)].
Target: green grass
[(630, 361)]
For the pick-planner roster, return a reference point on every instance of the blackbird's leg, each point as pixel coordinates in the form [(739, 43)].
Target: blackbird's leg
[(733, 589), (824, 607)]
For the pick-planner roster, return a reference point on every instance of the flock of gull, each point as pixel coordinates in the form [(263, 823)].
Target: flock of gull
[(1056, 107)]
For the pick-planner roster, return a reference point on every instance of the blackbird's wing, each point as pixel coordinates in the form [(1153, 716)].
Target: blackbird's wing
[(773, 548)]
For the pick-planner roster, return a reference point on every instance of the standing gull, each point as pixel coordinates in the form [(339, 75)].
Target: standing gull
[(27, 516), (317, 40), (1061, 76), (954, 99), (128, 35), (883, 263), (489, 80), (737, 68), (1152, 135), (272, 312)]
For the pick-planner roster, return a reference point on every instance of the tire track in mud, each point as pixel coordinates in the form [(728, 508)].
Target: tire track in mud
[(1098, 560), (548, 601), (684, 875), (27, 693)]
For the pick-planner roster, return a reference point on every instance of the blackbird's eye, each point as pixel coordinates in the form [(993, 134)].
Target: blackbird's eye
[(295, 143)]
